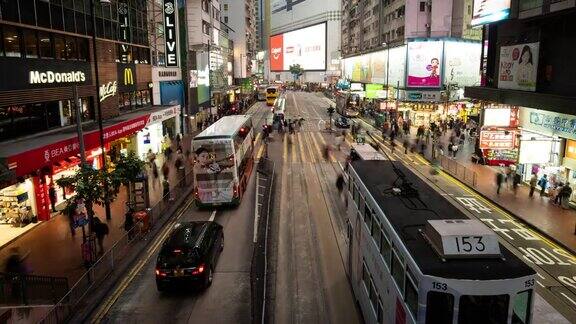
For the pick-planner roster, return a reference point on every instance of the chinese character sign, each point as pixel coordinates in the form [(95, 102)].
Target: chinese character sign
[(497, 139)]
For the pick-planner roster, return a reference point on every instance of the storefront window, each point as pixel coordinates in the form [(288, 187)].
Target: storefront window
[(45, 45), (133, 100), (60, 47), (71, 50), (17, 204), (11, 41), (31, 43)]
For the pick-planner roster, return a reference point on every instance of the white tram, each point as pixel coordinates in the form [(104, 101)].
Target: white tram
[(415, 257)]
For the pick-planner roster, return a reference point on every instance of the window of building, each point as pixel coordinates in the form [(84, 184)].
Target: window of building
[(225, 7), (71, 48), (439, 307), (83, 54), (205, 5), (225, 19), (9, 10), (57, 16), (27, 12), (205, 27), (422, 6), (30, 43), (11, 41), (59, 47), (43, 20), (45, 45)]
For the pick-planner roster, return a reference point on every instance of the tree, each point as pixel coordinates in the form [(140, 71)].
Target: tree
[(296, 71), (89, 185), (128, 170)]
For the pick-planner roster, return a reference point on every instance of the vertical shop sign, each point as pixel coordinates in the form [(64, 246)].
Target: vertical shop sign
[(124, 31), (170, 33), (42, 200)]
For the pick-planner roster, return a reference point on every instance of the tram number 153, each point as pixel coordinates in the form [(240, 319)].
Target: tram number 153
[(468, 244)]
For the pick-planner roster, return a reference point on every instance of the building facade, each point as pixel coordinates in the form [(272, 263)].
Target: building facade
[(287, 16), (47, 59), (373, 24), (527, 70), (240, 16)]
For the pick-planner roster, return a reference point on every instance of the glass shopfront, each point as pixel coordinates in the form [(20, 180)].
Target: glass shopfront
[(18, 204)]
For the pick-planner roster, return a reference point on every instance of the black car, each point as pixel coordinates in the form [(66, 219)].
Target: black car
[(189, 255), (342, 122)]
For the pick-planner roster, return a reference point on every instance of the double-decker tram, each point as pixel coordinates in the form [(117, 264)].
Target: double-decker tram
[(415, 257), (272, 92), (223, 161)]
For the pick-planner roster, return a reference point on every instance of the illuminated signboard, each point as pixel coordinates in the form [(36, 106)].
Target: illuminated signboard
[(487, 11), (424, 64), (305, 46), (497, 139), (170, 33)]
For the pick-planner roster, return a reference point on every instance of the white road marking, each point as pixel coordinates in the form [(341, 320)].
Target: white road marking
[(570, 299), (213, 216)]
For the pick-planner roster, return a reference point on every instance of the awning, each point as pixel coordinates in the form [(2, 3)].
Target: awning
[(26, 155)]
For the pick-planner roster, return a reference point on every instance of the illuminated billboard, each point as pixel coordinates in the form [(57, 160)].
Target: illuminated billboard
[(305, 46), (424, 64), (462, 63), (487, 11), (518, 68)]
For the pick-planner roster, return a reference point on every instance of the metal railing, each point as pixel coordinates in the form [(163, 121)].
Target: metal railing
[(259, 269), (26, 289), (104, 267), (458, 171)]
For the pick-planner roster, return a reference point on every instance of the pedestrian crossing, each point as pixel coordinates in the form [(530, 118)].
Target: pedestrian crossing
[(304, 147)]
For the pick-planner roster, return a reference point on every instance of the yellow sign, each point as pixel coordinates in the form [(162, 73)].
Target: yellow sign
[(570, 149), (128, 76)]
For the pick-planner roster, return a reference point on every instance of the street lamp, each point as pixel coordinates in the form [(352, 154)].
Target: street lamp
[(99, 105)]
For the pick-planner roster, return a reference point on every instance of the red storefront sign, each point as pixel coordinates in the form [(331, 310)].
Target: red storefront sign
[(42, 199), (497, 139), (35, 159)]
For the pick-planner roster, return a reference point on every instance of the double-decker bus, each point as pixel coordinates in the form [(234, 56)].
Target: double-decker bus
[(272, 92), (413, 256), (223, 161)]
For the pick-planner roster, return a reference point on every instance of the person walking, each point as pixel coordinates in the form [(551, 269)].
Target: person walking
[(165, 189), (454, 149), (516, 179), (52, 196), (100, 230), (129, 223), (499, 180), (533, 181), (542, 183), (405, 144), (565, 193)]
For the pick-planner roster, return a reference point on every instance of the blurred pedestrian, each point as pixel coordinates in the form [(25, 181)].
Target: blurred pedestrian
[(543, 182), (406, 144), (499, 180), (340, 183), (100, 230), (129, 223), (533, 181), (165, 189), (52, 196), (516, 179)]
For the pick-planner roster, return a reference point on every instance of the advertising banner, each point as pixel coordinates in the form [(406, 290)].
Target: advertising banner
[(549, 123), (424, 64), (487, 11), (170, 33), (374, 91), (203, 81), (361, 69), (462, 63), (497, 139), (378, 66), (396, 74), (305, 46), (518, 67)]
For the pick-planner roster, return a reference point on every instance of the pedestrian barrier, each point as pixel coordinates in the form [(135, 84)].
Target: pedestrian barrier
[(458, 171), (258, 271), (26, 289), (104, 267)]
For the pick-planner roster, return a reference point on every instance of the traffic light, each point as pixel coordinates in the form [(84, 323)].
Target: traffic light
[(330, 110)]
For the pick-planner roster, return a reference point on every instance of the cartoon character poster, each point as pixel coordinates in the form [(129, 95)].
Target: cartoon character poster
[(425, 64)]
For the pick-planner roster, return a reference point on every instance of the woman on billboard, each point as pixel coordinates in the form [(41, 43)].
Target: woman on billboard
[(525, 71)]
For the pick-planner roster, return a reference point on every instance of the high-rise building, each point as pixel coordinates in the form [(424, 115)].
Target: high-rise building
[(240, 15), (316, 49), (367, 25)]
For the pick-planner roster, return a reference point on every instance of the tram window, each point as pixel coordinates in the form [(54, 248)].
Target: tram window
[(374, 297), (397, 269), (365, 275), (380, 311), (385, 250), (522, 301), (411, 297), (368, 219), (439, 307), (376, 232), (483, 309), (356, 195)]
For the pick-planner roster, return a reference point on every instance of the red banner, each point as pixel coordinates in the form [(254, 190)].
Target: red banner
[(277, 53), (35, 159)]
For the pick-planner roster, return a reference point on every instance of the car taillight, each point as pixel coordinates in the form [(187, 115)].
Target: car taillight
[(160, 273), (198, 270), (235, 190), (196, 194)]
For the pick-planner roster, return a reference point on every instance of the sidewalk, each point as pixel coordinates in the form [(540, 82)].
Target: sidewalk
[(538, 212), (55, 252)]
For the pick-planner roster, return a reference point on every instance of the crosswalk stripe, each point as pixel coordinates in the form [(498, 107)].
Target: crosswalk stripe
[(320, 155), (293, 148), (310, 147), (285, 149), (301, 146), (260, 151), (257, 138)]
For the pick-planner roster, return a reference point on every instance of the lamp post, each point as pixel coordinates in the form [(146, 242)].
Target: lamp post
[(99, 105)]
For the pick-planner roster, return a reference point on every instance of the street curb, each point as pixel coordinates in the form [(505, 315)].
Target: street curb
[(95, 300)]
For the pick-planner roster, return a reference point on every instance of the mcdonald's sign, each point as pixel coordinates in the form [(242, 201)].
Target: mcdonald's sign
[(127, 80), (128, 76)]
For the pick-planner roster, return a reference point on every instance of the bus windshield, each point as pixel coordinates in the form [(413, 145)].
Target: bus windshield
[(271, 91)]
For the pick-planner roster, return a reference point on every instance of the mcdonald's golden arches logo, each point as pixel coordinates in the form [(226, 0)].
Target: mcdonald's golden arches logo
[(128, 76)]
